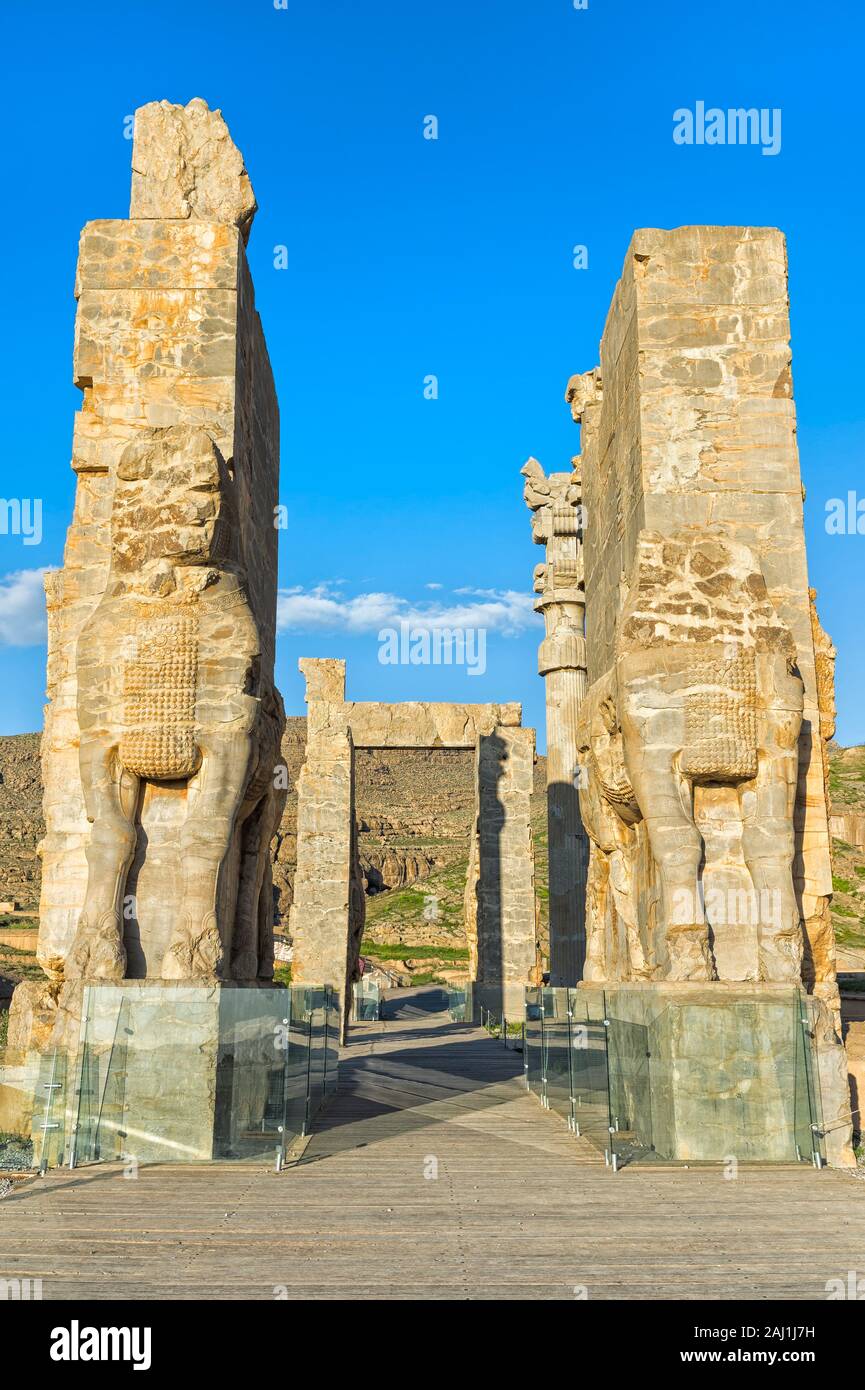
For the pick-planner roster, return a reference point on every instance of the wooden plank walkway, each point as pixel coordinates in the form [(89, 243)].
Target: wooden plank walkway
[(434, 1175)]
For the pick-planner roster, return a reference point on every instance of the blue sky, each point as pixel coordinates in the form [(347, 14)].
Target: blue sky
[(409, 257)]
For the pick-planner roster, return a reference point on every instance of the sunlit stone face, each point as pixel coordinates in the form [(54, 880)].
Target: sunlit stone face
[(172, 501)]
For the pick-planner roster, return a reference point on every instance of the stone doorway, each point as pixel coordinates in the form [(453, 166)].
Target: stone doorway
[(326, 920), (415, 808)]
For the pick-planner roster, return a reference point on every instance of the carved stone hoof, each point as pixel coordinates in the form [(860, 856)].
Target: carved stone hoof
[(781, 958), (97, 952), (689, 954), (195, 953), (244, 966)]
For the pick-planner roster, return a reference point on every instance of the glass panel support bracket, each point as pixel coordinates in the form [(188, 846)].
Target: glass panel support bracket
[(76, 1095), (611, 1158), (816, 1156)]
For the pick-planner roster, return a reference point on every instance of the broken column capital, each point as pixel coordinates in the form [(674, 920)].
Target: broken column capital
[(583, 390), (554, 502)]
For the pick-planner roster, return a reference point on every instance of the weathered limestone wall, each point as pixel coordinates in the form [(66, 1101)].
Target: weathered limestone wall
[(166, 335), (326, 916), (697, 428), (701, 732)]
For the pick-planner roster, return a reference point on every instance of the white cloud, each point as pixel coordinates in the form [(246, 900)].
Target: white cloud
[(432, 585), (22, 608), (321, 609)]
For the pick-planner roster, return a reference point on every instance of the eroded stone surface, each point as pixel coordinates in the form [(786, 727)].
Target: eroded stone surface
[(186, 165), (163, 725), (709, 702)]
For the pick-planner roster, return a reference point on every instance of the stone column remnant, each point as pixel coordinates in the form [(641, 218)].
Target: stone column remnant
[(556, 506), (163, 725)]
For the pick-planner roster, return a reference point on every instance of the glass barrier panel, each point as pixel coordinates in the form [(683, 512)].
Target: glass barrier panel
[(711, 1075), (331, 1036), (366, 1001), (180, 1073), (808, 1109), (315, 1093), (297, 1064), (166, 1072), (459, 1004), (98, 1097), (51, 1119), (533, 1055), (32, 1109), (254, 1031), (630, 1089), (589, 1068), (557, 1051)]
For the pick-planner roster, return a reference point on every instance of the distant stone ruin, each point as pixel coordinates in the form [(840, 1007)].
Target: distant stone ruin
[(327, 914)]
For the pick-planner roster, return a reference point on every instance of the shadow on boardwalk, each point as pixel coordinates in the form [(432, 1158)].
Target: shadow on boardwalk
[(415, 1068), (434, 1175)]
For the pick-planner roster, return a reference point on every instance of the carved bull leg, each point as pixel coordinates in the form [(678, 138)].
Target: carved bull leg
[(622, 886), (768, 846), (111, 797), (666, 800), (597, 915), (244, 947), (275, 804), (678, 849), (652, 737), (216, 795), (265, 924)]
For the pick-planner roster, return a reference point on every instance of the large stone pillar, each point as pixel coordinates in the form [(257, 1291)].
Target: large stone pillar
[(555, 503), (700, 733), (327, 912), (163, 725), (505, 917)]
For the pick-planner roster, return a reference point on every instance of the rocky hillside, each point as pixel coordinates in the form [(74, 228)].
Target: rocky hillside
[(21, 823), (414, 817), (847, 786)]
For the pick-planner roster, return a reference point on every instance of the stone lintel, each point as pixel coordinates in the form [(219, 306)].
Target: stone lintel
[(411, 724)]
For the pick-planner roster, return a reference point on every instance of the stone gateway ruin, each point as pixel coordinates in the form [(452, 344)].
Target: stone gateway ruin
[(327, 915), (688, 695), (163, 722), (699, 730)]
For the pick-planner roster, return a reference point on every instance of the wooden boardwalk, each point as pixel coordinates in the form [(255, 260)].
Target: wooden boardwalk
[(434, 1175)]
